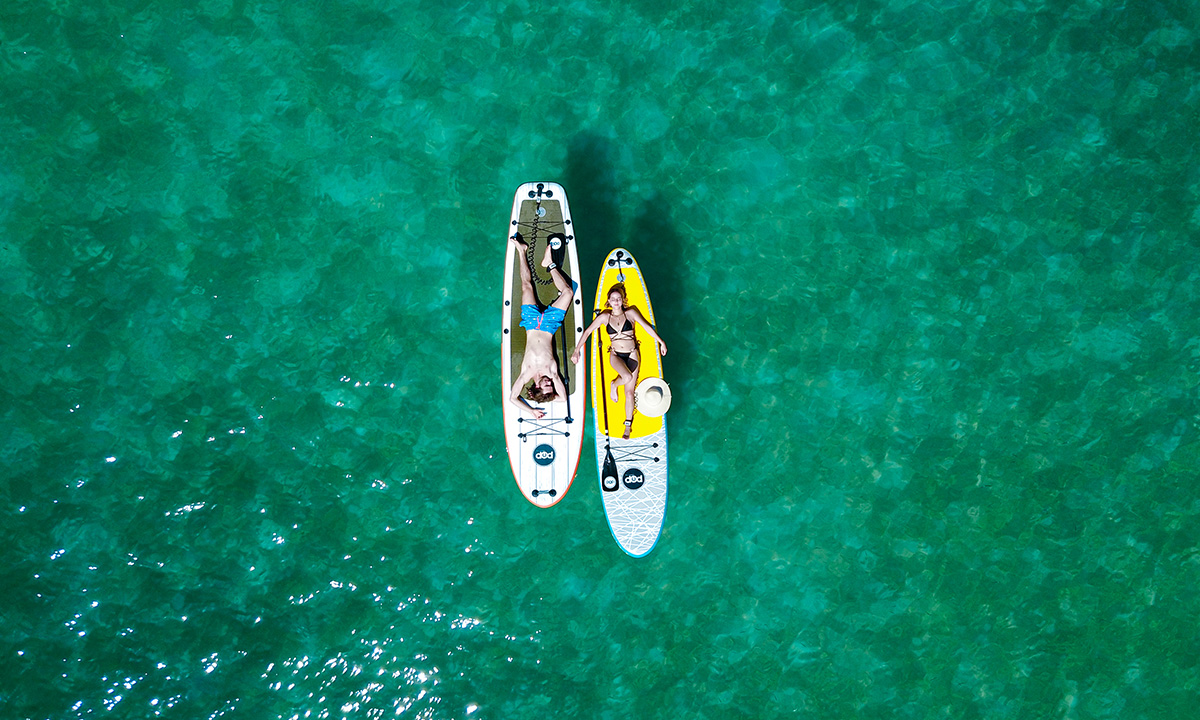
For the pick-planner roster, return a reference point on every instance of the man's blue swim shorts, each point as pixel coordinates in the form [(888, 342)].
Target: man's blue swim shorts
[(549, 321)]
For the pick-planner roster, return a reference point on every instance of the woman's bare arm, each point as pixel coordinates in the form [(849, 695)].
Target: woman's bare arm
[(637, 317), (600, 320)]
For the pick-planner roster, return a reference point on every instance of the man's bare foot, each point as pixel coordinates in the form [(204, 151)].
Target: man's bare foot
[(546, 259), (519, 241)]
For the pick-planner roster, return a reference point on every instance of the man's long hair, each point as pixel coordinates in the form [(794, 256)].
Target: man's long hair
[(536, 394)]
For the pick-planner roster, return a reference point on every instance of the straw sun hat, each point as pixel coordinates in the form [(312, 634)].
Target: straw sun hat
[(653, 397)]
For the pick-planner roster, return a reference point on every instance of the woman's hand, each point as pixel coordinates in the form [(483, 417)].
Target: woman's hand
[(662, 348)]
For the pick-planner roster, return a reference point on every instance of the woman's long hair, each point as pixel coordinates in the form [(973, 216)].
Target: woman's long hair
[(618, 288)]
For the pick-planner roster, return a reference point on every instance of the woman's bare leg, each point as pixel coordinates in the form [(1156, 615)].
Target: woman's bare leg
[(627, 378), (630, 395), (623, 375)]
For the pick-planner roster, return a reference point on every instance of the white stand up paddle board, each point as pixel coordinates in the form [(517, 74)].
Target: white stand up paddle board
[(543, 452)]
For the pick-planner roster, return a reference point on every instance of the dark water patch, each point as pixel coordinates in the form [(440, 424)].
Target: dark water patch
[(593, 189)]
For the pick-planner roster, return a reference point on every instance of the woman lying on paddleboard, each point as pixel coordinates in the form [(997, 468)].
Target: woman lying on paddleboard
[(618, 319), (538, 364)]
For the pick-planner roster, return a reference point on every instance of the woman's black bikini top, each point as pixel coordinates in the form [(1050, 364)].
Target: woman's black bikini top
[(626, 328)]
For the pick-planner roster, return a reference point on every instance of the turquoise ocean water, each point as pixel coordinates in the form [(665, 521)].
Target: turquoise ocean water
[(928, 272)]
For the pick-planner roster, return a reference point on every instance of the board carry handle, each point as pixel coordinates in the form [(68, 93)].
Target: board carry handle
[(620, 261)]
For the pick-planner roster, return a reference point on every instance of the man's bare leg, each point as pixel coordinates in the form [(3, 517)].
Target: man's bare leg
[(528, 294), (566, 287)]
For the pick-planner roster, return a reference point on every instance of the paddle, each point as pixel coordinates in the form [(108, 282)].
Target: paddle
[(608, 473)]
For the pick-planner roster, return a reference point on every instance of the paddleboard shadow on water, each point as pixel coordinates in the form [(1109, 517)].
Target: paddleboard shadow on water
[(591, 177), (658, 246), (596, 198)]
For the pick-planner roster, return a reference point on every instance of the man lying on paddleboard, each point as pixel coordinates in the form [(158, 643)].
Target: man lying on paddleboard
[(538, 364)]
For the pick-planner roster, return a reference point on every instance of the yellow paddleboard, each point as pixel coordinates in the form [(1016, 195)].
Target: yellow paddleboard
[(633, 471)]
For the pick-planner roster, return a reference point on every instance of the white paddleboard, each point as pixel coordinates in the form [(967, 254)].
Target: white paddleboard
[(543, 452), (633, 472)]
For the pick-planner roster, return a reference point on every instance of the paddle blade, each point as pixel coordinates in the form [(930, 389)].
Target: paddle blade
[(608, 477)]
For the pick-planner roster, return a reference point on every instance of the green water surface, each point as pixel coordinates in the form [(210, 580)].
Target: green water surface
[(928, 272)]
